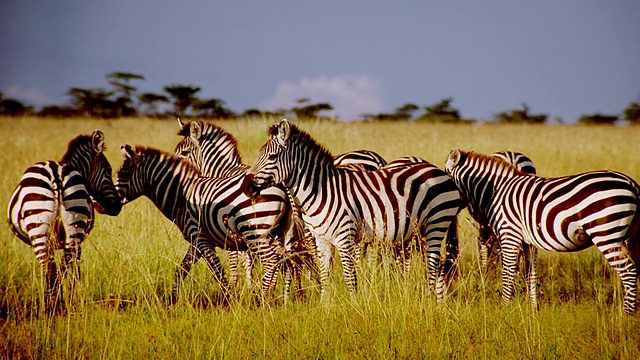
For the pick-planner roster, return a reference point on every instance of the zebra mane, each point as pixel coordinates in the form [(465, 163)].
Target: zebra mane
[(80, 142), (304, 139), (216, 134), (492, 161), (164, 156)]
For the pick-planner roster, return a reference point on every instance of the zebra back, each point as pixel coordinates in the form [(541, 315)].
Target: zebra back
[(519, 160), (360, 160)]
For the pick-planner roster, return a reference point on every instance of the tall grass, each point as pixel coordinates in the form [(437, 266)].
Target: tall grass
[(119, 310)]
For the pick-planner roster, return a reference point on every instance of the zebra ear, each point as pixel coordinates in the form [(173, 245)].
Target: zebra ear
[(128, 151), (180, 123), (454, 158), (195, 132), (97, 140), (284, 130)]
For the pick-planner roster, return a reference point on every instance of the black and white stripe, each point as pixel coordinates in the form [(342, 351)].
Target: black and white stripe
[(341, 206), (215, 153), (53, 207), (206, 210), (563, 214), (488, 244)]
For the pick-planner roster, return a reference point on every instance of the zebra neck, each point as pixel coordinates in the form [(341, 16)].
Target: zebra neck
[(312, 186), (485, 188), (168, 188), (221, 162)]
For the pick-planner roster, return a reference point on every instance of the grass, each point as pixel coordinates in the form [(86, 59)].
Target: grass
[(119, 309)]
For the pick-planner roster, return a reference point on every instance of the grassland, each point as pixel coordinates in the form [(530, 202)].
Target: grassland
[(119, 310)]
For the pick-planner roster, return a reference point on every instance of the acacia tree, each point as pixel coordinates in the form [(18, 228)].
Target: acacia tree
[(521, 116), (309, 111), (441, 112), (632, 113), (122, 83), (151, 101), (403, 113), (212, 108), (93, 102), (183, 97)]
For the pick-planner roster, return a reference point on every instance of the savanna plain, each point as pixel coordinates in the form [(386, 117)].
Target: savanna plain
[(119, 308)]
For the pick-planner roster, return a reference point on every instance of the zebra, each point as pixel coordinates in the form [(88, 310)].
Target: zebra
[(358, 160), (206, 210), (341, 206), (53, 205), (487, 239), (215, 153), (561, 214)]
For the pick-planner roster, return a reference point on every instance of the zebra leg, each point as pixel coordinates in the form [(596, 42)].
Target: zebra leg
[(530, 276), (52, 290), (247, 260), (509, 267), (347, 258), (619, 258), (233, 268), (484, 237), (208, 252), (323, 248), (270, 257), (190, 258)]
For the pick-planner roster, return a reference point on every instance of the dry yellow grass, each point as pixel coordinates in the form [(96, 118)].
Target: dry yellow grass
[(129, 262)]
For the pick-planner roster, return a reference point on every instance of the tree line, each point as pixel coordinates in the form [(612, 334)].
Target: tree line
[(123, 99)]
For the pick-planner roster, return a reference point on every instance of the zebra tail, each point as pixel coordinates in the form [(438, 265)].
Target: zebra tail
[(452, 250), (633, 244)]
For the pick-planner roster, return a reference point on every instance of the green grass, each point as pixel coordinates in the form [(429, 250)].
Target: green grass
[(119, 309)]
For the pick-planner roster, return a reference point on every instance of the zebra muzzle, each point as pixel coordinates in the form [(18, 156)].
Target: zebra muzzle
[(249, 187)]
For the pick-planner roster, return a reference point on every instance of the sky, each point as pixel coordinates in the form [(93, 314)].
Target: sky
[(562, 58)]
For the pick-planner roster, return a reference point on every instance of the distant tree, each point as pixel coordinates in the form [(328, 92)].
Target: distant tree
[(598, 119), (521, 116), (403, 113), (309, 111), (212, 109), (56, 111), (632, 113), (183, 97), (93, 102), (12, 107), (441, 112), (251, 113), (122, 83), (151, 101)]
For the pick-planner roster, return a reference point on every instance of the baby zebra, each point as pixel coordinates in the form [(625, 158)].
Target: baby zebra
[(563, 214), (53, 208), (340, 206)]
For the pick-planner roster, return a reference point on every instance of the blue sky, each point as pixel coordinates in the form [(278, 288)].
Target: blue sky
[(563, 58)]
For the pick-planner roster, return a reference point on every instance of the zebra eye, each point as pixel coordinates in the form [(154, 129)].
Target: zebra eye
[(184, 153)]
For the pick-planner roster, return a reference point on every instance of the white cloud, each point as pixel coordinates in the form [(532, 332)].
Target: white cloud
[(27, 96), (350, 95)]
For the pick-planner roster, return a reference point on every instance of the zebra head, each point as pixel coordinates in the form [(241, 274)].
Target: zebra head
[(127, 184), (86, 155), (273, 165), (189, 147)]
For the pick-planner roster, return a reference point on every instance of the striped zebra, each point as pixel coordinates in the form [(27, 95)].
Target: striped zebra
[(206, 210), (53, 208), (487, 239), (563, 214), (341, 206), (215, 153)]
